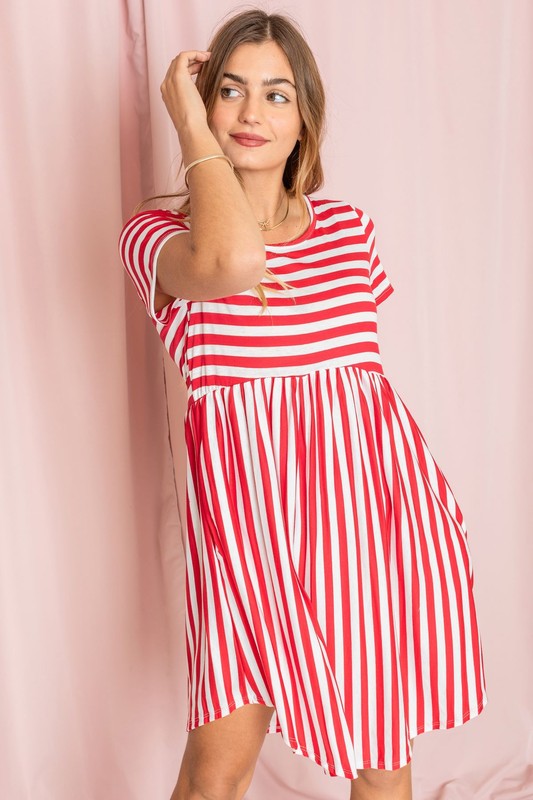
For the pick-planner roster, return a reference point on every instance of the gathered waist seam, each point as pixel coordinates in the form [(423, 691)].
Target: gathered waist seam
[(192, 401)]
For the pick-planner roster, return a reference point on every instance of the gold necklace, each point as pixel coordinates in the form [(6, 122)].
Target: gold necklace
[(264, 222), (263, 225)]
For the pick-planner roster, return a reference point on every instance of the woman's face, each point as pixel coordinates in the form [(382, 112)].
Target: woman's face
[(246, 107)]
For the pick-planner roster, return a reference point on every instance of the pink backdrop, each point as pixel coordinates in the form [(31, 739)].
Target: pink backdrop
[(430, 131)]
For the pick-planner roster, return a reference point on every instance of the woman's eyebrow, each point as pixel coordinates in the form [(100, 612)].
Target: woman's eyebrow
[(266, 82)]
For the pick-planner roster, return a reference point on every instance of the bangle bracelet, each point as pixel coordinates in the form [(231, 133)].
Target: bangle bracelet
[(206, 158)]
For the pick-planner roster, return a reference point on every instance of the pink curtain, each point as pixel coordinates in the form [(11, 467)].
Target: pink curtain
[(430, 131)]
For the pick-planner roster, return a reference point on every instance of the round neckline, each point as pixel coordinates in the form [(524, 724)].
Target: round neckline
[(305, 235)]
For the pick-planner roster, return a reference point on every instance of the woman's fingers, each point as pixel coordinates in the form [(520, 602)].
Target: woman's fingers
[(178, 89), (192, 60), (192, 57), (198, 55)]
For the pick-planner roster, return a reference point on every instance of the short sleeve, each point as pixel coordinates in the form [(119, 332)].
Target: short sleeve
[(140, 243), (379, 282)]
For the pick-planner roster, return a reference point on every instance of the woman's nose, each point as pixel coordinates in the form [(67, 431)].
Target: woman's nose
[(250, 110)]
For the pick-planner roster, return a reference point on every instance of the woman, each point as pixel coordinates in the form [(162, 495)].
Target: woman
[(329, 581)]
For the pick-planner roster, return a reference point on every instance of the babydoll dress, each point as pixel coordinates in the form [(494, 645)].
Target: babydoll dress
[(328, 572)]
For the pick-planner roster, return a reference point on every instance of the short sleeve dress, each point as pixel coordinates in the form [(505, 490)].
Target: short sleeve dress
[(328, 572)]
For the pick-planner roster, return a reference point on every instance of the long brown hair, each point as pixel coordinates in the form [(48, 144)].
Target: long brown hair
[(303, 172)]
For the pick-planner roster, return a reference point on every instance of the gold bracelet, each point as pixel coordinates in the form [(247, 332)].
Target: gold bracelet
[(206, 158)]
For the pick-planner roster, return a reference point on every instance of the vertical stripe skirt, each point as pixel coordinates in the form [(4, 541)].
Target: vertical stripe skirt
[(328, 572)]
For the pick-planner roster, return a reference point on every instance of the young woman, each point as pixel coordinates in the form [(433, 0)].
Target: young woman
[(329, 580)]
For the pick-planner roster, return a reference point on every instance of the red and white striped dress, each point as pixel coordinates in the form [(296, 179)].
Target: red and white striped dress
[(328, 572)]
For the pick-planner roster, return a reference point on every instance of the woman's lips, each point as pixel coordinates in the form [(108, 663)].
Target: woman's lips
[(246, 141)]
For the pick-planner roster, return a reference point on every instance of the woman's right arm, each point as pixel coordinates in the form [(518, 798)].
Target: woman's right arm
[(224, 252)]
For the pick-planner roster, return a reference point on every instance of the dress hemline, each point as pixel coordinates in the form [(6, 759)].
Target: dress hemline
[(329, 769)]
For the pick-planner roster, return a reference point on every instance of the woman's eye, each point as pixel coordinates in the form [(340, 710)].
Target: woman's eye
[(227, 89), (277, 94)]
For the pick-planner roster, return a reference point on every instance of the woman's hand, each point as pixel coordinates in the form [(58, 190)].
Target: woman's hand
[(179, 92)]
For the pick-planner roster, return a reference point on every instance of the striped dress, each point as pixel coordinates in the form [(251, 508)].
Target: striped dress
[(328, 571)]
